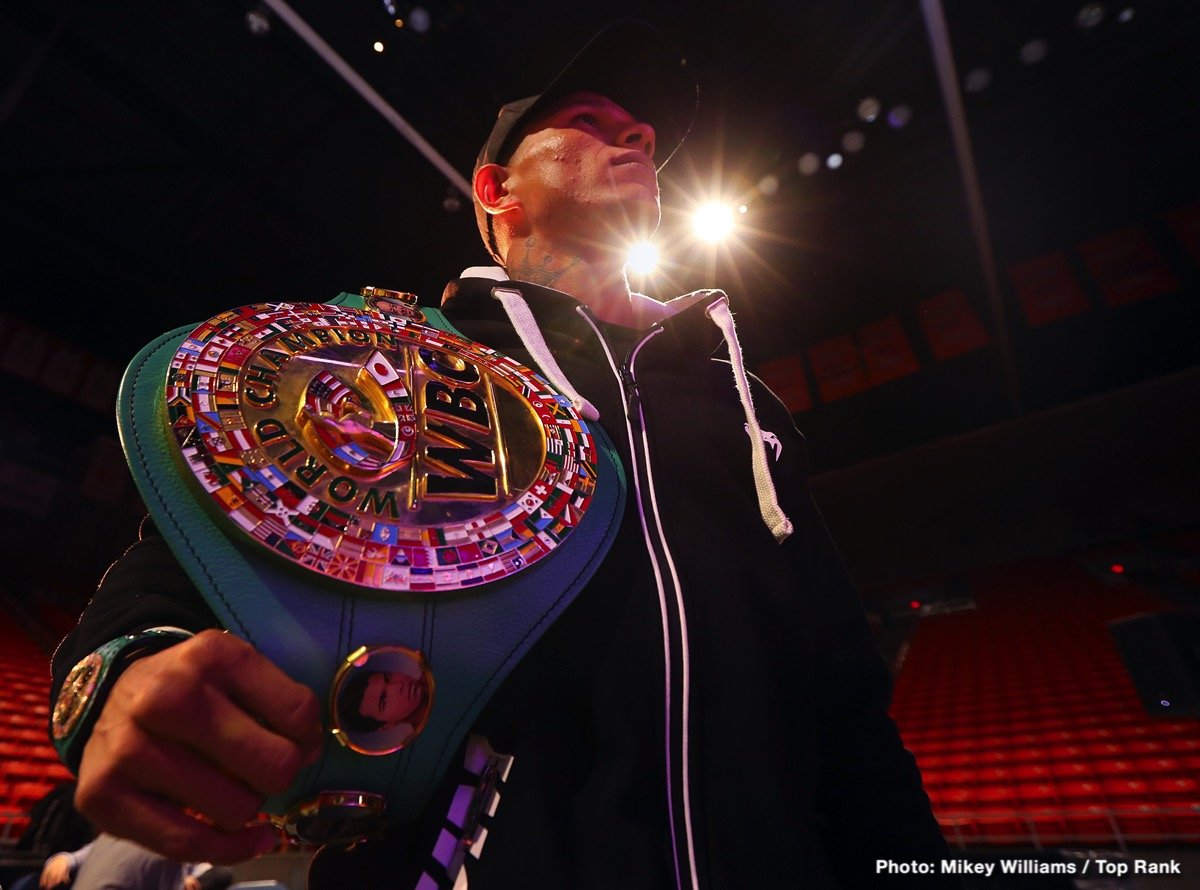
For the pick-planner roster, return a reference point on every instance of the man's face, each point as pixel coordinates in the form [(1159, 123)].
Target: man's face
[(585, 168), (392, 697)]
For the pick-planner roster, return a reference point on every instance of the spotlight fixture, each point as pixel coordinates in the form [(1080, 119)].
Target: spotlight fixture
[(899, 116), (713, 222), (853, 141), (1033, 51), (420, 20), (642, 258), (1091, 15), (869, 108), (377, 46), (258, 21), (834, 161), (977, 80)]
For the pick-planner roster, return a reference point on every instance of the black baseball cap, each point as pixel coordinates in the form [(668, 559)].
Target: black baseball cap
[(630, 62)]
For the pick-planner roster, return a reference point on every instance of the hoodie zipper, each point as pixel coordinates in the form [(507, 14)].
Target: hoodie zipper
[(674, 618)]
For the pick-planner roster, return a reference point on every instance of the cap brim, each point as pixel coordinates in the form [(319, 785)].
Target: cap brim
[(632, 63)]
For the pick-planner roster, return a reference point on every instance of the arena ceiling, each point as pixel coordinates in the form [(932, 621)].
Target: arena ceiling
[(162, 162)]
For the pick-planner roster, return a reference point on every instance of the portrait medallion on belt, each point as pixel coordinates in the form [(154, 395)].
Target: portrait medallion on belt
[(381, 698), (367, 447)]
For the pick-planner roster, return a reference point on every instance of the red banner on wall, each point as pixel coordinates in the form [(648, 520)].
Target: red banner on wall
[(838, 368), (1047, 289), (1127, 266), (951, 325), (886, 351), (1185, 226), (787, 379)]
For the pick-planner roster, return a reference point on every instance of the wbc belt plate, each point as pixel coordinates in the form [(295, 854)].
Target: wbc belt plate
[(376, 450)]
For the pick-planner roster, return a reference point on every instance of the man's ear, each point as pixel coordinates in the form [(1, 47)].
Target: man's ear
[(490, 192)]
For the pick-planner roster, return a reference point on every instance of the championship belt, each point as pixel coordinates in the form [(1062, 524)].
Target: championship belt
[(390, 512)]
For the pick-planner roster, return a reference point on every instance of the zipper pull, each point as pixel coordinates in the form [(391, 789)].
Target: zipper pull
[(633, 398)]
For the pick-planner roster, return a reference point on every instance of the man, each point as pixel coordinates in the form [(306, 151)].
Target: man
[(110, 863), (375, 700), (710, 711)]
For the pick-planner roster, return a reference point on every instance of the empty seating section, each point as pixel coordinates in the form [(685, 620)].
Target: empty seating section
[(1027, 727), (29, 766)]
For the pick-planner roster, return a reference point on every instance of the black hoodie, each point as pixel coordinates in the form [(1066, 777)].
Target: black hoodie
[(712, 701)]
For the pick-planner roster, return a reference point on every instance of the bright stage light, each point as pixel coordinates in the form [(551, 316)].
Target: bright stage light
[(713, 222), (642, 258), (869, 108), (377, 46)]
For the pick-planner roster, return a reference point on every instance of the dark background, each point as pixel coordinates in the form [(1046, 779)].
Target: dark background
[(160, 163)]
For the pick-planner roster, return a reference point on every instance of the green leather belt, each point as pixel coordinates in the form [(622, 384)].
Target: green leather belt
[(310, 623)]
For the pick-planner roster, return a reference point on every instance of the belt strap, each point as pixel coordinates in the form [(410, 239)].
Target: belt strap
[(472, 638)]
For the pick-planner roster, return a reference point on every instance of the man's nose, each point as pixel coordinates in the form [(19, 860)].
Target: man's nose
[(638, 135)]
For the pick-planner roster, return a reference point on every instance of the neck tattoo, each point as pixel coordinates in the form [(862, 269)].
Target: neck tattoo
[(539, 266)]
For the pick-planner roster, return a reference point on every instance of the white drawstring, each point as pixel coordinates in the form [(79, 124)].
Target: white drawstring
[(768, 502), (526, 327)]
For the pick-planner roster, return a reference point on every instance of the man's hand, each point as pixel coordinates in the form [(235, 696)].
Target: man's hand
[(209, 724), (56, 872)]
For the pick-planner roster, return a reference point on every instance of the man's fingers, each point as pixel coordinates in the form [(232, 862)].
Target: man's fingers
[(161, 827), (262, 689), (223, 699), (173, 771), (210, 724)]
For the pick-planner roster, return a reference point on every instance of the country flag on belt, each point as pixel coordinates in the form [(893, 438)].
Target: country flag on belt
[(395, 577), (269, 477), (344, 567), (235, 355), (384, 533), (241, 439), (244, 517), (470, 553), (351, 453), (304, 524), (230, 498), (326, 386), (316, 558), (226, 398), (379, 367), (376, 553), (270, 531)]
